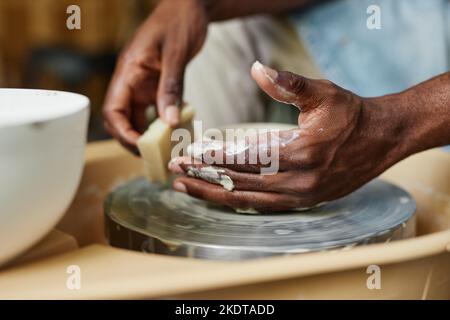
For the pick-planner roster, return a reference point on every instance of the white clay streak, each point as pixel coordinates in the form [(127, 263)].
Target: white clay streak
[(212, 175), (287, 95), (247, 211)]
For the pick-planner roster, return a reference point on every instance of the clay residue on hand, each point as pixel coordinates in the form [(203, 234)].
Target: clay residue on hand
[(247, 211), (212, 175), (286, 96), (199, 148)]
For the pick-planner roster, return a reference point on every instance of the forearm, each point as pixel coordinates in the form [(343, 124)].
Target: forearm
[(228, 9), (422, 113)]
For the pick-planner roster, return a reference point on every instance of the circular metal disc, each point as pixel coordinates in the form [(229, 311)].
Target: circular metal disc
[(177, 224)]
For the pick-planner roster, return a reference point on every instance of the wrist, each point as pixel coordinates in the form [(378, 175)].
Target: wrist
[(409, 123), (424, 113), (388, 126)]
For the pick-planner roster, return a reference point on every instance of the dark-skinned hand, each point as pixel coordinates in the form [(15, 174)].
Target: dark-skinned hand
[(342, 142), (151, 68)]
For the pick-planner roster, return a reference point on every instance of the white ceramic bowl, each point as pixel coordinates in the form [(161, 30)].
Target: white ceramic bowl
[(42, 141)]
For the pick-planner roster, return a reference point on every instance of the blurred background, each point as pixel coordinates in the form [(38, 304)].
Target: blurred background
[(38, 51)]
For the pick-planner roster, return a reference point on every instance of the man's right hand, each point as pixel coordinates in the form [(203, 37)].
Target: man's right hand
[(151, 68)]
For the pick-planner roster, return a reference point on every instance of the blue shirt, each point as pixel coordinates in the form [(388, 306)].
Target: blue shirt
[(411, 46)]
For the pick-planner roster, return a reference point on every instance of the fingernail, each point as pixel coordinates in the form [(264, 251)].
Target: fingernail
[(270, 73), (172, 115), (172, 163), (174, 166), (178, 186)]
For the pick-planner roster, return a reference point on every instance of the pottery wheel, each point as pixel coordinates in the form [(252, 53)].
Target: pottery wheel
[(152, 218)]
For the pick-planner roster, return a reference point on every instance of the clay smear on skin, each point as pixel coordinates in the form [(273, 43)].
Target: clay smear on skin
[(198, 150), (285, 141), (247, 211), (212, 175), (287, 95)]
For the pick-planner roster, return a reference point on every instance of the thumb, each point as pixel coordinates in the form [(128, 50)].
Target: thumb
[(288, 87)]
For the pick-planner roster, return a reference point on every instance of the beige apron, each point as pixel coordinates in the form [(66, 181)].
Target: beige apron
[(218, 81)]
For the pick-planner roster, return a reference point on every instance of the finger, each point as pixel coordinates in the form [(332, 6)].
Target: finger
[(117, 114), (175, 164), (170, 89), (139, 118), (245, 200), (144, 95), (240, 180), (304, 183), (288, 87), (128, 139), (252, 152), (236, 156)]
